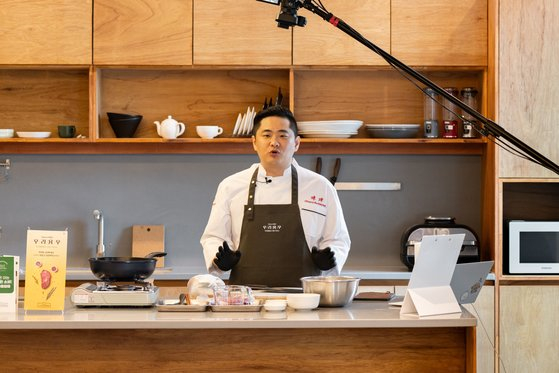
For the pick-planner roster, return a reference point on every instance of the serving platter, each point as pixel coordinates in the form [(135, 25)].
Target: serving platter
[(237, 308), (33, 135), (328, 135), (165, 306)]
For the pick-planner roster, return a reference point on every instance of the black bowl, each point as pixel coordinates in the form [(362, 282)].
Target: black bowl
[(125, 127), (121, 116)]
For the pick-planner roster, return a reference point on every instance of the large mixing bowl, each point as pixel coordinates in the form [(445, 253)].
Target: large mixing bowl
[(335, 291)]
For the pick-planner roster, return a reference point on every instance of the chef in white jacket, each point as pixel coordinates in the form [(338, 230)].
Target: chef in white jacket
[(276, 221)]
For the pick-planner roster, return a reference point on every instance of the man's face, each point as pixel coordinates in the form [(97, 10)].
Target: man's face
[(275, 144)]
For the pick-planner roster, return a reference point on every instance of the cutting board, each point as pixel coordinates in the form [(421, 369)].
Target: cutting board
[(147, 239)]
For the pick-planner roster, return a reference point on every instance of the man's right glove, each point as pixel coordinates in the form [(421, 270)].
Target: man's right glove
[(324, 259), (226, 259)]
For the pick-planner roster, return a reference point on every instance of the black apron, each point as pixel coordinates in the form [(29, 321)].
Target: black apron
[(274, 251)]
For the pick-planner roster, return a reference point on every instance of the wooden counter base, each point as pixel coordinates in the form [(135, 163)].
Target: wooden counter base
[(240, 350)]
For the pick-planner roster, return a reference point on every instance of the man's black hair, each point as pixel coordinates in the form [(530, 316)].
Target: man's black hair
[(275, 111)]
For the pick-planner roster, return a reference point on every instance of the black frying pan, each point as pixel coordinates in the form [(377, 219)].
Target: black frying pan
[(124, 268)]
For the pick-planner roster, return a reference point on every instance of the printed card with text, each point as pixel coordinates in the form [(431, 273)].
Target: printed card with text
[(9, 283), (45, 270)]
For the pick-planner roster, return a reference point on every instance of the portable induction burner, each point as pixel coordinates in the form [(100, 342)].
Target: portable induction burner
[(103, 294)]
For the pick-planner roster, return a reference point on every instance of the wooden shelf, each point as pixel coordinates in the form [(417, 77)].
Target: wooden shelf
[(240, 146), (529, 279)]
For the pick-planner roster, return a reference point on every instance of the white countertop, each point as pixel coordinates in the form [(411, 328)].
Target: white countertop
[(183, 273), (359, 314)]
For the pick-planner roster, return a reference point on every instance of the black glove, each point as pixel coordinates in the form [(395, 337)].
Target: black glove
[(226, 259), (324, 259)]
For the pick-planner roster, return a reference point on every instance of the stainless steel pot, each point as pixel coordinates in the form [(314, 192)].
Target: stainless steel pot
[(335, 291)]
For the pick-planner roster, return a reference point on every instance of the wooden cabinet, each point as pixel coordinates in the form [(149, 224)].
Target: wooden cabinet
[(372, 95), (528, 328), (239, 32), (319, 43), (440, 32), (42, 99), (525, 199), (484, 310), (529, 93), (149, 32), (204, 62), (39, 32), (194, 97)]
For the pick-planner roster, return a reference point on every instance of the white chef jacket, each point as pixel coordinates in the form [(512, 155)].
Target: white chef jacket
[(321, 212)]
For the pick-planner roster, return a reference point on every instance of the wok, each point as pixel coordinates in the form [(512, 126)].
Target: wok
[(124, 268)]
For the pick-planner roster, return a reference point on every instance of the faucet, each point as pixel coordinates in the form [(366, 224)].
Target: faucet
[(100, 247)]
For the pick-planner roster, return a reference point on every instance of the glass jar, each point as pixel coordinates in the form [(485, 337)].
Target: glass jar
[(469, 97), (450, 115), (430, 113)]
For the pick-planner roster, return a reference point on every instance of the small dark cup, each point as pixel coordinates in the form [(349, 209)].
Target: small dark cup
[(67, 131)]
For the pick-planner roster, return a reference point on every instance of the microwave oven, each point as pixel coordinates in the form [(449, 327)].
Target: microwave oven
[(533, 247)]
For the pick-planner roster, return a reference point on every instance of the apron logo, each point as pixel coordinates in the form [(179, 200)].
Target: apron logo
[(271, 228), (316, 201)]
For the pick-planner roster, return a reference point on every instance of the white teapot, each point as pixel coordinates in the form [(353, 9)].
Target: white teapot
[(170, 128)]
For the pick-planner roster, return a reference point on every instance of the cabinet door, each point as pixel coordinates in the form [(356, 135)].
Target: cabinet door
[(528, 328), (528, 89), (148, 32), (440, 32), (319, 43), (45, 32), (239, 32)]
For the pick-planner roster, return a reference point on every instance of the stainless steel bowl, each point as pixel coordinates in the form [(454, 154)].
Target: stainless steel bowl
[(335, 291)]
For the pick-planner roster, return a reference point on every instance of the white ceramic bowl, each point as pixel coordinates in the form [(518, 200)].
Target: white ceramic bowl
[(305, 301), (275, 305), (6, 133)]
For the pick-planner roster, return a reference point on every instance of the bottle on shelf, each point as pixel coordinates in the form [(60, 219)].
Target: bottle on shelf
[(469, 97), (450, 115), (430, 113)]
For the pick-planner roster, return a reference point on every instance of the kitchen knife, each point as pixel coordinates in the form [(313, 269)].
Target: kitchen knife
[(337, 166), (279, 98), (318, 165)]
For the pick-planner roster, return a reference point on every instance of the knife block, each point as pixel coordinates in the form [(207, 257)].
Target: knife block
[(147, 239)]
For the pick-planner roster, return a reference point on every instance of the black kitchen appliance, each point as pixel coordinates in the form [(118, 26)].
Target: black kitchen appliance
[(470, 251)]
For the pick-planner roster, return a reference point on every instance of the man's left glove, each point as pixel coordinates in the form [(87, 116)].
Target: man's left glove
[(226, 259), (324, 259)]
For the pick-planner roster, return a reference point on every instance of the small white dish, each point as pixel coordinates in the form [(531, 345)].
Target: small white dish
[(275, 305), (251, 121), (237, 125), (6, 133), (303, 301), (33, 135), (244, 126)]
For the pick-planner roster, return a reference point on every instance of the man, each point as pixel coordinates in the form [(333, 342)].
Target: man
[(265, 219)]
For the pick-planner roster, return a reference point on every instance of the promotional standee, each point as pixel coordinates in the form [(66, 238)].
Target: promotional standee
[(45, 270), (9, 283), (429, 292)]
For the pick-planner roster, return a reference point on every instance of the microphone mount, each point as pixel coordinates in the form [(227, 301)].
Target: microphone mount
[(288, 17)]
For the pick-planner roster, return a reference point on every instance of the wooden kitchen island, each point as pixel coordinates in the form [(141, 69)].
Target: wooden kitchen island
[(361, 337)]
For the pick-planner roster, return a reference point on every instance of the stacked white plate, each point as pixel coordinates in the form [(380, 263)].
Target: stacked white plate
[(393, 131), (329, 128), (33, 135), (245, 122)]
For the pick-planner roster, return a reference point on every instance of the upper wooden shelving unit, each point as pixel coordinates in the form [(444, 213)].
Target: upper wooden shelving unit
[(240, 146)]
